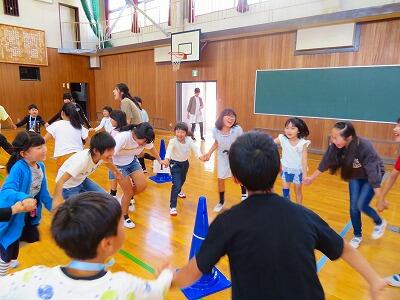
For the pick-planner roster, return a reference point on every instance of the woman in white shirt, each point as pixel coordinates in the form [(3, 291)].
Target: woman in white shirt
[(130, 142), (68, 134)]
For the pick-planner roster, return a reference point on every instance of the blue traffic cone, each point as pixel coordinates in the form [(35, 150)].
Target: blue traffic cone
[(163, 172), (209, 283)]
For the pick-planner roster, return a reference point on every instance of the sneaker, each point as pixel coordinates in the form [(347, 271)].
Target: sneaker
[(14, 264), (394, 280), (244, 197), (379, 230), (129, 224), (181, 195), (218, 207), (133, 200), (173, 211), (355, 242), (203, 139), (131, 206), (144, 171), (193, 138)]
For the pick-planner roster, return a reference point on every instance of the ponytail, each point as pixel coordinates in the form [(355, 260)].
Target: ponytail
[(123, 88), (142, 131), (69, 110)]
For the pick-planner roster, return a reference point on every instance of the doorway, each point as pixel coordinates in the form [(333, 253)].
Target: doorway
[(79, 91), (208, 93)]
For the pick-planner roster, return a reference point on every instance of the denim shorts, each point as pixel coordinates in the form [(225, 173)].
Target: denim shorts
[(127, 169)]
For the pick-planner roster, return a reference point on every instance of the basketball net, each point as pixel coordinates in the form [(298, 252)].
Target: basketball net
[(176, 59)]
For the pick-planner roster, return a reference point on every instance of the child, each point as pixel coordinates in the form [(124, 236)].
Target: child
[(89, 229), (26, 180), (130, 142), (394, 280), (4, 116), (68, 134), (266, 248), (177, 156), (105, 122), (362, 167), (118, 120), (294, 156), (26, 205), (33, 121), (72, 178), (225, 133)]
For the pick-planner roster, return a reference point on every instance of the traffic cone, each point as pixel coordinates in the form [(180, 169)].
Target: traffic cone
[(209, 283), (162, 173)]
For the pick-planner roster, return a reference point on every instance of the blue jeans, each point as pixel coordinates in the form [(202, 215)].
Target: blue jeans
[(179, 171), (86, 186), (361, 194)]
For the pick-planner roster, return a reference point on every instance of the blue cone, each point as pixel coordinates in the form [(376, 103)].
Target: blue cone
[(162, 177), (209, 283)]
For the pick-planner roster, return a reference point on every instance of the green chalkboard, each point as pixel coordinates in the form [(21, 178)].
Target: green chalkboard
[(354, 93)]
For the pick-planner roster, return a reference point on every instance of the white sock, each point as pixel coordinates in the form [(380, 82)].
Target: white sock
[(4, 267)]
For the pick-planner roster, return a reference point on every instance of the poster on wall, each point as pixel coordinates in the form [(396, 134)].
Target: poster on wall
[(22, 45)]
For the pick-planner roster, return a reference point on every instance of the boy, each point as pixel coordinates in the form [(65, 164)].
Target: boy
[(89, 229), (394, 280), (72, 177), (269, 240), (33, 121)]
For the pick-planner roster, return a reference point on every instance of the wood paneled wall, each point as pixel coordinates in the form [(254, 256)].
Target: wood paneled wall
[(16, 95)]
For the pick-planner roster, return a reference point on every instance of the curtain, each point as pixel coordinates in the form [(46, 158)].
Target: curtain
[(242, 6), (135, 21), (169, 13), (191, 13), (107, 18)]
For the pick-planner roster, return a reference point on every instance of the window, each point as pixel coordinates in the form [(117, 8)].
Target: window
[(29, 73), (203, 7), (155, 9)]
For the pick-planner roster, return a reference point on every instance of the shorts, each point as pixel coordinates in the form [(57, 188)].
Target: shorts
[(128, 169), (30, 234), (291, 175)]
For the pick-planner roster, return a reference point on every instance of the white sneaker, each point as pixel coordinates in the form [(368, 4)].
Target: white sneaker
[(355, 242), (244, 196), (173, 211), (218, 207), (132, 206), (394, 280), (181, 195), (14, 264), (129, 224), (379, 230), (133, 200)]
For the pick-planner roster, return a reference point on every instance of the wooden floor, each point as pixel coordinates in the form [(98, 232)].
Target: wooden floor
[(159, 237)]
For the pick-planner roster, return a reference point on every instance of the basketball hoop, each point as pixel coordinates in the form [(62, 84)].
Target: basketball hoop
[(176, 58)]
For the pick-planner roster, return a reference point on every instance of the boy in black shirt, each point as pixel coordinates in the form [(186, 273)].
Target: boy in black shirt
[(269, 240), (33, 121)]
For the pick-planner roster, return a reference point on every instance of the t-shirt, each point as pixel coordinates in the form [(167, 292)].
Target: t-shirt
[(145, 116), (106, 123), (270, 244), (68, 139), (37, 178), (79, 166), (126, 148), (292, 155), (39, 282), (397, 164), (132, 112), (226, 140), (180, 152), (3, 114)]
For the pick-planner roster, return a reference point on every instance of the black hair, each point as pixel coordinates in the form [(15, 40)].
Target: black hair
[(101, 141), (196, 90), (68, 96), (138, 99), (123, 88), (219, 123), (398, 120), (69, 110), (22, 142), (142, 131), (254, 161), (301, 126), (343, 158), (32, 106), (80, 223), (183, 126), (120, 117), (108, 108)]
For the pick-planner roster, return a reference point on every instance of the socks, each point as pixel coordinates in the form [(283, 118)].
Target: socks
[(286, 193), (244, 191), (221, 197), (113, 192), (4, 267)]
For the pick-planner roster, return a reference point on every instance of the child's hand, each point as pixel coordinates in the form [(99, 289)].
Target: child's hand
[(46, 124), (14, 126), (165, 163), (308, 180), (376, 287), (57, 201), (382, 205), (117, 174), (91, 129), (29, 204)]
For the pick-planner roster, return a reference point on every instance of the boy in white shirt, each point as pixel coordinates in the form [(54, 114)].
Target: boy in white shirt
[(89, 229), (72, 177)]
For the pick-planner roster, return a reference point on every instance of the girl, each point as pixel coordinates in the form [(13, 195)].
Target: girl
[(294, 156), (130, 142), (225, 133), (177, 155), (68, 134), (105, 121), (362, 167), (26, 180), (117, 120), (128, 104)]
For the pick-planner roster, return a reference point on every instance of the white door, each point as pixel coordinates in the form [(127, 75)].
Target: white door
[(69, 27)]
